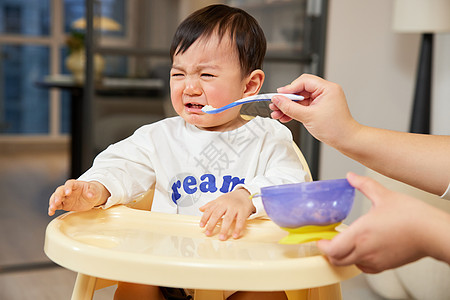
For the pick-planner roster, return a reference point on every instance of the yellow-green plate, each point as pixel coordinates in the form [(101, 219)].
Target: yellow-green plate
[(309, 233)]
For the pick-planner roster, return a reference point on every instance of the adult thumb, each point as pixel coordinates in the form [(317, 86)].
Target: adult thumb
[(373, 190), (290, 108)]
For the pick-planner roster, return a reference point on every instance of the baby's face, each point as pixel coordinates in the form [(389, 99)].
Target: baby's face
[(208, 73)]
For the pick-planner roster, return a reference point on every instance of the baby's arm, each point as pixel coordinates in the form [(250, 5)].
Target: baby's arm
[(235, 206), (77, 195)]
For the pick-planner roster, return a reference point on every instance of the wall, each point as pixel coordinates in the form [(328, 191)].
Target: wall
[(441, 87), (376, 67)]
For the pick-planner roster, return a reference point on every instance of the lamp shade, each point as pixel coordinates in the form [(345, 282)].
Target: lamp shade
[(421, 16), (102, 23)]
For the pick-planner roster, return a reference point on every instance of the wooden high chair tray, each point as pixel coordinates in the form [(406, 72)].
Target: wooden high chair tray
[(131, 245)]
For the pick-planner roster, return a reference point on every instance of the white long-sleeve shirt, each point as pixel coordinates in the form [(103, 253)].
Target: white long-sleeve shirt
[(192, 167), (446, 194)]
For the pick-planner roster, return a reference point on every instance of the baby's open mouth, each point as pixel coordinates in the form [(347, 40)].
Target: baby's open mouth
[(194, 105)]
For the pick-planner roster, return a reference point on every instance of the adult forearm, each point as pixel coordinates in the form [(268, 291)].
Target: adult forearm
[(419, 160), (433, 230)]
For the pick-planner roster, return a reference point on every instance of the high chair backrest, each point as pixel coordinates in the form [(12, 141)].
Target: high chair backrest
[(300, 155)]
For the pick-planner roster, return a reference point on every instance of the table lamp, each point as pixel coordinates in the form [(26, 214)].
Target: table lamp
[(426, 17), (76, 60)]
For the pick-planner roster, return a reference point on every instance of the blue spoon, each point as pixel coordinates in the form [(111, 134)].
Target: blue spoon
[(261, 97)]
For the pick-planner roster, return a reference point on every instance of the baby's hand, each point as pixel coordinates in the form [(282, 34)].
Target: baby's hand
[(77, 195), (233, 206)]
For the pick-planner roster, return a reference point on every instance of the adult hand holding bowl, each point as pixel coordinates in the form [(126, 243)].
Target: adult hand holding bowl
[(310, 210)]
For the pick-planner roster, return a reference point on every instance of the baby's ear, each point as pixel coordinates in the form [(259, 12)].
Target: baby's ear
[(254, 83)]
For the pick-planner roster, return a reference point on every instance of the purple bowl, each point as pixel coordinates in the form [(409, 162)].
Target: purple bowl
[(321, 203)]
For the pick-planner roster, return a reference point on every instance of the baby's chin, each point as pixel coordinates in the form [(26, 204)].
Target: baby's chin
[(214, 122), (201, 121)]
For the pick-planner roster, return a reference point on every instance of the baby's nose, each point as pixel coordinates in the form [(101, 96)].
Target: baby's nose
[(192, 87)]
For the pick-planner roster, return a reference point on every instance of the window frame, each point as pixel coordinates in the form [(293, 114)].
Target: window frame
[(55, 41)]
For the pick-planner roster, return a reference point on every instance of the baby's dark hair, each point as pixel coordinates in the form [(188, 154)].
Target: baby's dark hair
[(243, 29)]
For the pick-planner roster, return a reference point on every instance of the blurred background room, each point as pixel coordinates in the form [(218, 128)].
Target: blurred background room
[(78, 75)]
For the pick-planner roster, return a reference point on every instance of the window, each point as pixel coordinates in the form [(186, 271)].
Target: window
[(25, 17), (32, 46), (26, 109), (24, 57)]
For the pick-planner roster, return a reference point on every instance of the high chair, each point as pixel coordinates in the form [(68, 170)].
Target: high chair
[(132, 245)]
